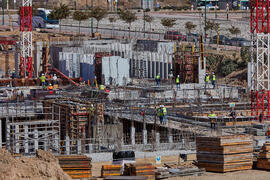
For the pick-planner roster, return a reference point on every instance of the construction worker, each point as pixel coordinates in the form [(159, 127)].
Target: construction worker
[(160, 114), (50, 87), (268, 133), (55, 79), (213, 80), (212, 117), (164, 114), (158, 79), (206, 79), (92, 110), (43, 80), (177, 81), (102, 87)]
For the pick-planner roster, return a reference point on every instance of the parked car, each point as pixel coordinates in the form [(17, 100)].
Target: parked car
[(192, 37), (174, 35), (223, 40), (242, 42), (45, 14)]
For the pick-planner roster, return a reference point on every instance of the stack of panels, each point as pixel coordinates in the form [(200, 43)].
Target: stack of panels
[(76, 166), (144, 169), (225, 153), (264, 157), (111, 170)]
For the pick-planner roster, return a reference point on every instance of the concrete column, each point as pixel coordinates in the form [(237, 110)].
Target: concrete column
[(35, 139), (154, 69), (17, 144), (157, 138), (26, 143), (144, 134), (132, 133), (0, 134), (150, 69), (166, 71), (79, 146), (170, 136), (8, 134), (46, 142), (67, 145)]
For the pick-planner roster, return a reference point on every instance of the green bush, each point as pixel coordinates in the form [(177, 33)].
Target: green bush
[(147, 10), (228, 66)]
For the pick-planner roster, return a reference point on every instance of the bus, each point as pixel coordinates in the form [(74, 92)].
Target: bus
[(210, 4)]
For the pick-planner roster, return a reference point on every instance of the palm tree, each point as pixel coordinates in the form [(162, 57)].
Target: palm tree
[(234, 30), (112, 19), (168, 22), (189, 27), (129, 17), (148, 19), (98, 13), (61, 12), (80, 16)]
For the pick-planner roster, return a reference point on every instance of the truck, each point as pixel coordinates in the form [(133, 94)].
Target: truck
[(45, 15), (42, 19)]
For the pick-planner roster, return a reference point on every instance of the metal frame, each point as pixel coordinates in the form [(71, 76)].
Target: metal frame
[(26, 56)]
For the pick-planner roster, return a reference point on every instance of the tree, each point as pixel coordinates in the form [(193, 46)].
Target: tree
[(234, 30), (98, 13), (190, 26), (128, 16), (168, 22), (112, 19), (148, 19), (61, 12), (80, 16)]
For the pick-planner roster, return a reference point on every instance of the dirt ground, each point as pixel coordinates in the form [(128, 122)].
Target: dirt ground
[(239, 175)]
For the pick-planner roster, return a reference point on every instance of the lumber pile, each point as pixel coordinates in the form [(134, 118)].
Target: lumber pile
[(140, 169), (263, 161), (76, 166), (111, 170), (225, 153)]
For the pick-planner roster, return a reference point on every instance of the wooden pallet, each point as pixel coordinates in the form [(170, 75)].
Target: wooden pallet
[(111, 170), (225, 153)]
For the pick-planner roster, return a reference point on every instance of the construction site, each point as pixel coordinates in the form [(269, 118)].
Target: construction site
[(88, 105)]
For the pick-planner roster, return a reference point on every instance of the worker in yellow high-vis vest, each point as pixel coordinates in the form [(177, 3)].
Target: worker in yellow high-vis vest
[(213, 80), (177, 81), (206, 79)]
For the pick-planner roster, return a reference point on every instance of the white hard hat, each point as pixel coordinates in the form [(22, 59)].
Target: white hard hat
[(92, 105), (42, 74), (161, 105), (213, 73), (50, 84), (177, 75)]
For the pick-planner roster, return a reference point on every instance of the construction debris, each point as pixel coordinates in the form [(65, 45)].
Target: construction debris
[(225, 153), (136, 169)]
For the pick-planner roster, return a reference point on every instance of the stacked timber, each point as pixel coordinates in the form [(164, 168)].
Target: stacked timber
[(111, 170), (263, 161), (76, 166), (140, 169), (225, 153)]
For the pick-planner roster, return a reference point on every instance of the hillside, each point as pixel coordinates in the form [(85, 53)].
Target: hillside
[(122, 3)]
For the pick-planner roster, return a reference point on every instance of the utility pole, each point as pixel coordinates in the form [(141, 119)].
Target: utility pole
[(3, 13), (92, 22), (205, 21), (144, 23)]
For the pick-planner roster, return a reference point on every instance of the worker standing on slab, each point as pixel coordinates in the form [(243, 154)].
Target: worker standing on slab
[(50, 87), (160, 114), (102, 87), (212, 117), (213, 80), (177, 81), (91, 110), (164, 114), (206, 79), (43, 80), (158, 79), (54, 79)]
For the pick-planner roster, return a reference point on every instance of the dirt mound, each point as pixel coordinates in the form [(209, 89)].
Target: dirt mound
[(43, 167)]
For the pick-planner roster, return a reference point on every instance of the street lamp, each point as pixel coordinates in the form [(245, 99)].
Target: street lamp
[(92, 22)]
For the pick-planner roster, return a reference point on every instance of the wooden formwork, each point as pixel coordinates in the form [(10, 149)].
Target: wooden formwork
[(111, 170), (263, 161), (225, 153), (140, 169), (76, 166)]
